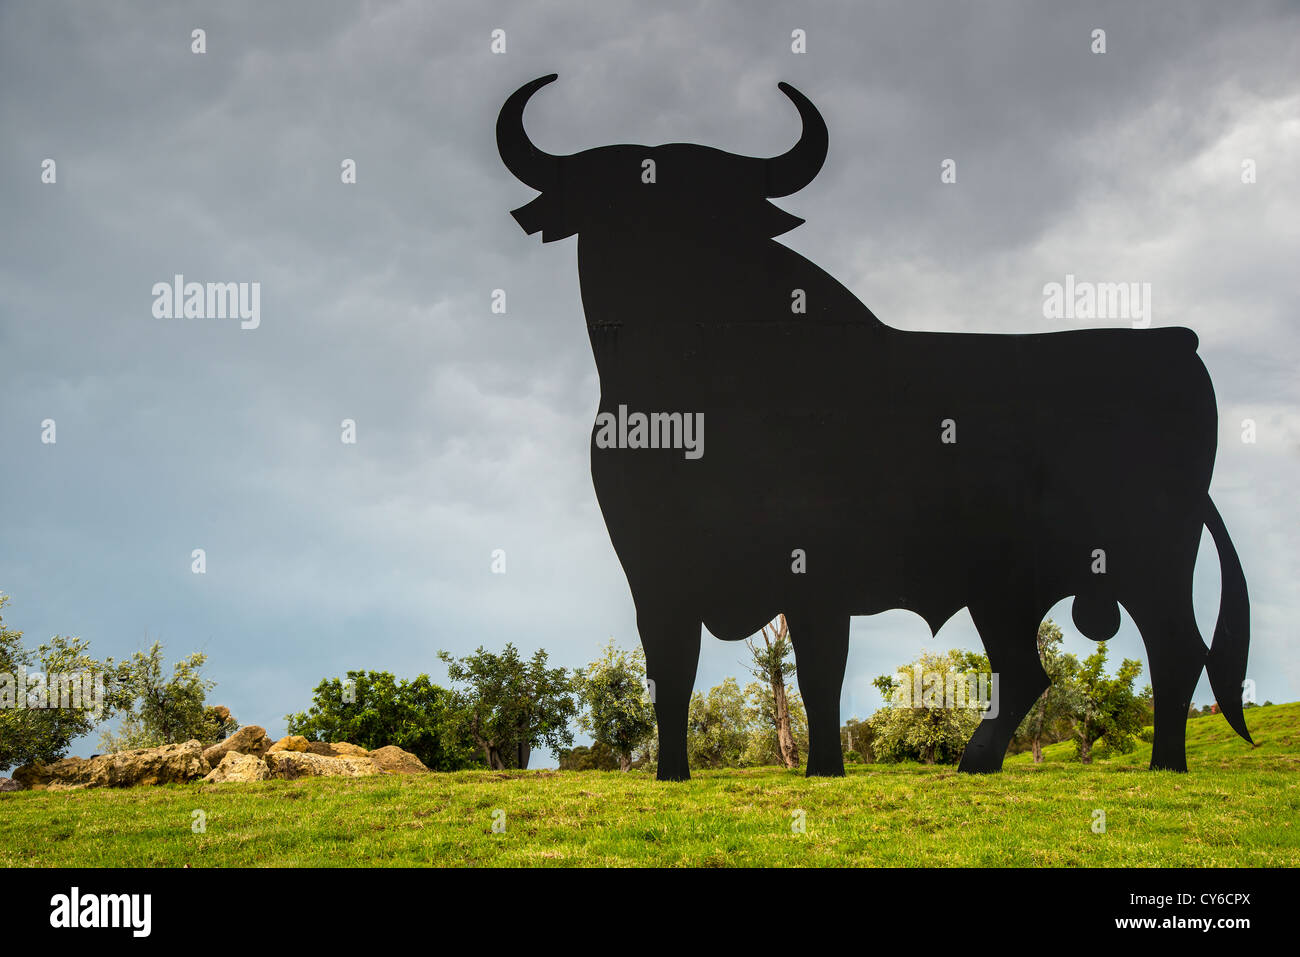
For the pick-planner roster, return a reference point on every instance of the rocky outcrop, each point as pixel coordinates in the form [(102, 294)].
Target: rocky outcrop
[(393, 760), (170, 764), (250, 739), (245, 756)]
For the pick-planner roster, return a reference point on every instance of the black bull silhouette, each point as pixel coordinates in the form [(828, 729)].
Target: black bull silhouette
[(926, 471)]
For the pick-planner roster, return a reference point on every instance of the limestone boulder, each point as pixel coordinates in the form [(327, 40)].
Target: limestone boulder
[(236, 767), (170, 764), (294, 742), (250, 739), (393, 760), (291, 765), (353, 750)]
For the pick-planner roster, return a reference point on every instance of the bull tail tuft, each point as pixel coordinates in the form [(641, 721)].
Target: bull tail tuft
[(1226, 664)]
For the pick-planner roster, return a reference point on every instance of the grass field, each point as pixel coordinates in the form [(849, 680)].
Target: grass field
[(1237, 806)]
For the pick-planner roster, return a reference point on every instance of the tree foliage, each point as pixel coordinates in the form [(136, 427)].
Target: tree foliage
[(158, 710), (717, 732), (44, 734), (919, 722), (1051, 718), (617, 709), (374, 709), (1109, 708), (509, 706)]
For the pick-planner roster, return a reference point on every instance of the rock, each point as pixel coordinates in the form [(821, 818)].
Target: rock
[(247, 740), (291, 765), (236, 767), (294, 742), (342, 747), (9, 784), (336, 749), (170, 764), (393, 760), (37, 777)]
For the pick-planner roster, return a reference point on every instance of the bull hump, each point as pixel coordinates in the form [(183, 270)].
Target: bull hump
[(1179, 336)]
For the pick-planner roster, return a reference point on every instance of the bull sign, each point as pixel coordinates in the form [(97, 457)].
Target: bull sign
[(926, 471)]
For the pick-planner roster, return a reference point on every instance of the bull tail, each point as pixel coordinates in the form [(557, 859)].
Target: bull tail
[(1226, 664)]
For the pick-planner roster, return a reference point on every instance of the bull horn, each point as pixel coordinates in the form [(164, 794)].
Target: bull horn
[(532, 166), (793, 170)]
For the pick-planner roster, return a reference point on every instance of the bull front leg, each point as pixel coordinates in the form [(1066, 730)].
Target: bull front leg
[(671, 641), (1009, 631), (821, 652)]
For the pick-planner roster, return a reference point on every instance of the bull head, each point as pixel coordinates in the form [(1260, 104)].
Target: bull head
[(606, 188)]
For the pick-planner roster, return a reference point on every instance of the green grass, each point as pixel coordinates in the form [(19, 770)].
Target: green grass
[(1238, 806), (1212, 743)]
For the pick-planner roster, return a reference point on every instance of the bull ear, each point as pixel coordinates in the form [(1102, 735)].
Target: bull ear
[(775, 221), (547, 215)]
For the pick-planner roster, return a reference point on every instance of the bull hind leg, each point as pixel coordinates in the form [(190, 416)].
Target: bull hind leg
[(672, 654), (1010, 635), (821, 652), (1177, 656)]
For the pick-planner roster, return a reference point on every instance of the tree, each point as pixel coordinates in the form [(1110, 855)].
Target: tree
[(158, 711), (618, 713), (1108, 707), (1052, 713), (856, 737), (764, 739), (35, 724), (374, 709), (935, 727), (598, 757), (717, 732), (772, 665), (511, 706)]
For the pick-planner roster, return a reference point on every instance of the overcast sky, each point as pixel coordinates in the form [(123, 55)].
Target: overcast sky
[(473, 428)]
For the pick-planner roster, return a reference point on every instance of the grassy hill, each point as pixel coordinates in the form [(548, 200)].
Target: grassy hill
[(1238, 806), (1211, 742)]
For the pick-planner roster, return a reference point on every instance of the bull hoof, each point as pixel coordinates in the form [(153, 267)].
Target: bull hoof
[(1169, 764), (825, 770), (980, 761)]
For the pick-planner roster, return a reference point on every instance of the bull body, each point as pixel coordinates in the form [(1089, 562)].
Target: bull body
[(1066, 445)]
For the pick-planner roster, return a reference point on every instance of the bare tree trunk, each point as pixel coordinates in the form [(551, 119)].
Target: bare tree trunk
[(1038, 727), (625, 762), (784, 735)]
